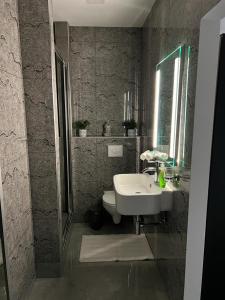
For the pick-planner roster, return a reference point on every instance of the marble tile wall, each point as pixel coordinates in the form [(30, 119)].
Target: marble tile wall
[(93, 170), (37, 44), (62, 41), (105, 63), (170, 24), (15, 184)]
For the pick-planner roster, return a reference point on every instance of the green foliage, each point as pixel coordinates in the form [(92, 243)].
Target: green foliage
[(130, 124), (81, 124)]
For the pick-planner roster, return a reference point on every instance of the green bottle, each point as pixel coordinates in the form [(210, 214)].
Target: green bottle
[(162, 180)]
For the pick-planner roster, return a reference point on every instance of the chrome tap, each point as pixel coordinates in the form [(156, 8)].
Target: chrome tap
[(149, 170), (153, 170)]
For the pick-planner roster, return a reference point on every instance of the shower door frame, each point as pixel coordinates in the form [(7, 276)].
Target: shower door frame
[(5, 260), (67, 149)]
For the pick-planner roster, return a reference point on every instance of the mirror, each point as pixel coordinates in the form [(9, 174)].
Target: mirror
[(183, 156), (170, 104)]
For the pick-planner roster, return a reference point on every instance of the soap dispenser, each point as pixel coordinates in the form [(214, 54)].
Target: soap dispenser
[(162, 173)]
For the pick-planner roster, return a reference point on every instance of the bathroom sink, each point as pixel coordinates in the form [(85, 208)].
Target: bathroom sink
[(137, 194)]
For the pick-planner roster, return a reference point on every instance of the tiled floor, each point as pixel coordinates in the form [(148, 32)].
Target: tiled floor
[(100, 281)]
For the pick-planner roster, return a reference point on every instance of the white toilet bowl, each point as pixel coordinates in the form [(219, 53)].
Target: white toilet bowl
[(109, 203)]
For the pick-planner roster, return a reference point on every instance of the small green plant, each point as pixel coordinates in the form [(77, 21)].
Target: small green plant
[(130, 124), (81, 124)]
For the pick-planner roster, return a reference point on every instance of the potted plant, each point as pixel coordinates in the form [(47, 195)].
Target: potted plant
[(131, 127), (81, 126)]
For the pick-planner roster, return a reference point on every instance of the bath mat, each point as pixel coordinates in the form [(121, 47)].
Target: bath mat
[(116, 247)]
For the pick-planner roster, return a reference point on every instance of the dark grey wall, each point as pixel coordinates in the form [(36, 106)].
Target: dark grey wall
[(62, 41), (170, 24), (93, 170), (105, 63), (37, 43), (15, 185)]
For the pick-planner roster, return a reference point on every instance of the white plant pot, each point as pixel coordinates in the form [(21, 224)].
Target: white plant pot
[(82, 132), (132, 132)]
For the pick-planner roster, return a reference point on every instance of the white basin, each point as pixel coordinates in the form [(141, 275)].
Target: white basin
[(138, 194)]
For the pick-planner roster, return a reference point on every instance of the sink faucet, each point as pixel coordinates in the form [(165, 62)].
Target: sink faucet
[(153, 170)]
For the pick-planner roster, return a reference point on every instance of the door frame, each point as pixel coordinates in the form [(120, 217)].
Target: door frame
[(212, 26), (67, 108), (2, 226)]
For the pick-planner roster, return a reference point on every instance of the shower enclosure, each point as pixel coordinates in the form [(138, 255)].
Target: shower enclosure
[(63, 94)]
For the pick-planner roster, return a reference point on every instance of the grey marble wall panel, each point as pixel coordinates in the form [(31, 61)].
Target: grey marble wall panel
[(83, 81), (15, 194), (61, 30), (170, 24), (93, 170), (107, 167), (36, 27), (105, 64)]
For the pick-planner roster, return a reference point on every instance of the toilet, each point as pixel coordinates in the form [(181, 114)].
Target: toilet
[(109, 203)]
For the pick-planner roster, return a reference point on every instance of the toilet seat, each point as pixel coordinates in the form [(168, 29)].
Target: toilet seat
[(109, 198)]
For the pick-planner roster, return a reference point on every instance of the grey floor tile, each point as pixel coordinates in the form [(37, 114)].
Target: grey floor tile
[(100, 281)]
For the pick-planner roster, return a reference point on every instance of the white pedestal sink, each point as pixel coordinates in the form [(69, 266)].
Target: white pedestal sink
[(138, 194)]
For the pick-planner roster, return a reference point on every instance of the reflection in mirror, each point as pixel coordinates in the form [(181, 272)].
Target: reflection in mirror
[(170, 104), (182, 159)]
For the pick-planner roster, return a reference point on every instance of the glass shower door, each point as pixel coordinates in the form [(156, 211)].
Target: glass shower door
[(3, 281), (62, 97)]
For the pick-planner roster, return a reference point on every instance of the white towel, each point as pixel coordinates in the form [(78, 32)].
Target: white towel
[(147, 155), (152, 155), (161, 156), (143, 155)]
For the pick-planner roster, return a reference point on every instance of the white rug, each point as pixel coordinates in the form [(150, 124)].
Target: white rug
[(116, 247)]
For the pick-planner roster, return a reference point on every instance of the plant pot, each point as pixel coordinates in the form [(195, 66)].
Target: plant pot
[(82, 132), (132, 132)]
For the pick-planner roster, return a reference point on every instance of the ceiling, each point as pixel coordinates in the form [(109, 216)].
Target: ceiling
[(102, 13)]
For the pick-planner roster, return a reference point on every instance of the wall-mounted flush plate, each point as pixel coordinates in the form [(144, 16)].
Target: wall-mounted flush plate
[(115, 150)]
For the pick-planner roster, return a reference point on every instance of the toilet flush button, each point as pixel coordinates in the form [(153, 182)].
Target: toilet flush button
[(115, 150)]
